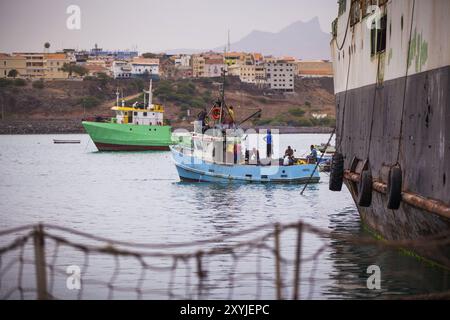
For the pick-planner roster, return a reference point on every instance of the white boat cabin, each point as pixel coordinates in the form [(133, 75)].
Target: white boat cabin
[(139, 116), (148, 114)]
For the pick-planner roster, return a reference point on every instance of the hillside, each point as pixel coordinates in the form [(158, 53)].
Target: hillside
[(70, 101)]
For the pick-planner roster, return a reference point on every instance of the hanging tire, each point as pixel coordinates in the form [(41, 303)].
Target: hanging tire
[(337, 172), (365, 189), (394, 188)]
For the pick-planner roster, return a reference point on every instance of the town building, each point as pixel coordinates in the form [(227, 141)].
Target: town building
[(8, 63), (145, 67), (35, 67), (198, 66), (214, 67), (233, 58), (314, 68), (121, 70), (248, 73), (280, 75), (53, 63), (183, 61)]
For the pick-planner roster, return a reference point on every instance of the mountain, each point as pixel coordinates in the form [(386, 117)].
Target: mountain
[(303, 40)]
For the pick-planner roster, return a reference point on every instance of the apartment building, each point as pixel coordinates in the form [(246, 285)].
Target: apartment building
[(53, 64), (280, 75), (182, 61), (198, 66), (35, 67), (8, 63), (248, 73)]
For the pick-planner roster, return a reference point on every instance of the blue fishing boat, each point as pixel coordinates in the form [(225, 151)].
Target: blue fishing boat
[(218, 151), (195, 169)]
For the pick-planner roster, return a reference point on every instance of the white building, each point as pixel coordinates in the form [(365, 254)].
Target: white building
[(121, 70), (143, 66), (183, 61), (280, 75), (214, 70)]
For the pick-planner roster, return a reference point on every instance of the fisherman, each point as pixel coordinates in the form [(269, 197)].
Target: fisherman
[(202, 117), (268, 140), (231, 113), (288, 156), (312, 157), (289, 152)]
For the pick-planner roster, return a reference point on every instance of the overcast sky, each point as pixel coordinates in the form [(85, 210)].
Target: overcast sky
[(149, 25)]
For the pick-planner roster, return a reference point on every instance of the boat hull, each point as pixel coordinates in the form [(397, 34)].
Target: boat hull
[(128, 137), (423, 158), (196, 170), (393, 109)]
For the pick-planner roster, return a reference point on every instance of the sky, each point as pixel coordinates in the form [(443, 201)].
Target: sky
[(149, 25)]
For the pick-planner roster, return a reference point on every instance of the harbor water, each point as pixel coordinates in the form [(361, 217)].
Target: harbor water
[(137, 197)]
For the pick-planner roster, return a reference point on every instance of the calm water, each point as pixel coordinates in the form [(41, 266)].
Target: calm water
[(137, 197)]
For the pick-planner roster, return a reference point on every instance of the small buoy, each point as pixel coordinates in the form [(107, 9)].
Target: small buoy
[(365, 189), (337, 172), (394, 188)]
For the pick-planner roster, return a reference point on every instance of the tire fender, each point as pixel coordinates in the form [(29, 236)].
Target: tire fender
[(394, 188), (337, 173), (365, 189)]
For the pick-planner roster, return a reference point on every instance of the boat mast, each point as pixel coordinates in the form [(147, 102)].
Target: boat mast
[(150, 95), (117, 97)]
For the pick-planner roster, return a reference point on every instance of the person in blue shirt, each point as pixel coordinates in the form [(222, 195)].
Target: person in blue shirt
[(313, 155), (269, 147)]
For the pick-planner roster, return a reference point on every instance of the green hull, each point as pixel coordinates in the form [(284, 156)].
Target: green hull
[(109, 136)]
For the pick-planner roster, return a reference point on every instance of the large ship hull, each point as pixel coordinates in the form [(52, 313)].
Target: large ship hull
[(128, 137), (393, 109)]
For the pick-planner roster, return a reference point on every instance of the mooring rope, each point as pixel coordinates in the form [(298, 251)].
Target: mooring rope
[(318, 162)]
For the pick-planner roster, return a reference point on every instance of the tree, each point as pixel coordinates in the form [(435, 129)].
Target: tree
[(13, 73), (73, 68), (149, 55)]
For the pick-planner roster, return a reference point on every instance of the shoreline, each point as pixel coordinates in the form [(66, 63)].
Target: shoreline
[(73, 126)]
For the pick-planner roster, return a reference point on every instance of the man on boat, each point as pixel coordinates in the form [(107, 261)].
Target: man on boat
[(268, 139), (289, 156), (312, 157), (202, 117)]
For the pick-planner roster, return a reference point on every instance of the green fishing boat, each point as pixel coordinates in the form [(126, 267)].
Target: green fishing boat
[(138, 127)]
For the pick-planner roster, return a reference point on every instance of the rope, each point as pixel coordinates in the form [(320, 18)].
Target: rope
[(373, 109), (406, 82), (346, 28), (318, 162)]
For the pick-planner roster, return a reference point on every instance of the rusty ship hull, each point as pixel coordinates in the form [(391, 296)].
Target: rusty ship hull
[(392, 87)]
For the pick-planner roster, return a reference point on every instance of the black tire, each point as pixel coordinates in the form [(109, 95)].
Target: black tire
[(337, 173), (394, 188), (365, 190)]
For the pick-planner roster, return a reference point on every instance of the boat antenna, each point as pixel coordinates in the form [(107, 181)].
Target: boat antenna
[(117, 96), (123, 101), (150, 94)]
